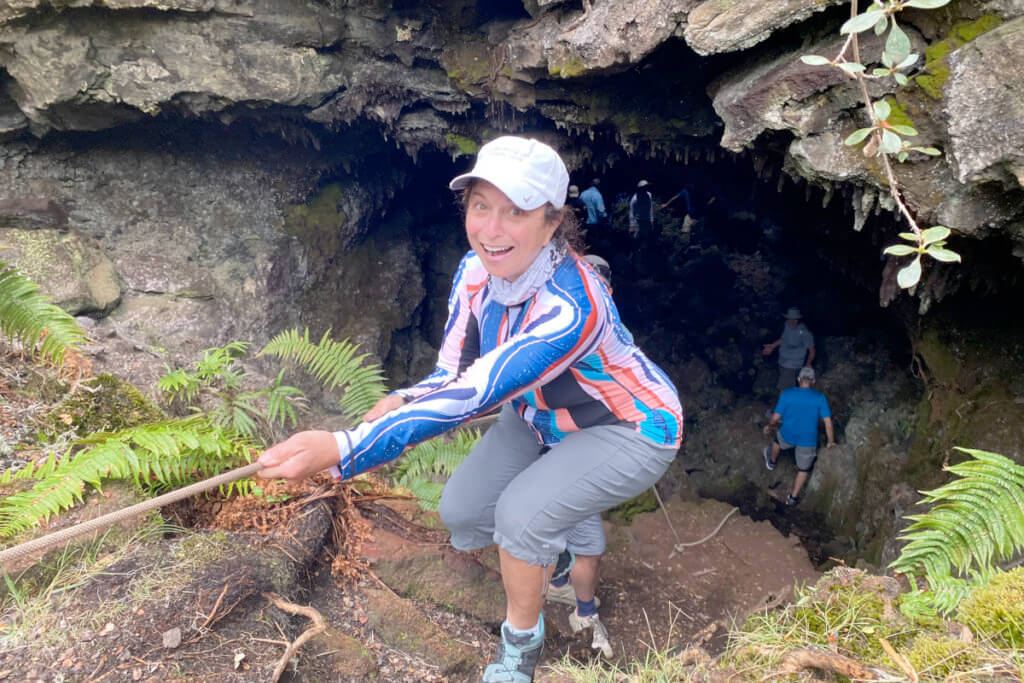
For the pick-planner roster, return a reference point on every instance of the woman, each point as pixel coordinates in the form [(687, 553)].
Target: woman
[(587, 421)]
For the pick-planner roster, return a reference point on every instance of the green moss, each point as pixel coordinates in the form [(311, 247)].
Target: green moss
[(940, 361), (466, 146), (468, 64), (108, 404), (898, 114), (570, 68), (322, 214), (939, 657), (936, 67), (996, 611), (645, 502)]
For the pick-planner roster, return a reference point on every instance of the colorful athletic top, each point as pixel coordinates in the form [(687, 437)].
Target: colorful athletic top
[(563, 358)]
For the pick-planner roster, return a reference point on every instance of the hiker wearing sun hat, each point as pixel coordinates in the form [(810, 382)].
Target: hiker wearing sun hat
[(796, 348), (587, 421), (641, 211)]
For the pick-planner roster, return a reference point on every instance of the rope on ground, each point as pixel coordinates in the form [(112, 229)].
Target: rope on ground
[(30, 548), (317, 628), (679, 546)]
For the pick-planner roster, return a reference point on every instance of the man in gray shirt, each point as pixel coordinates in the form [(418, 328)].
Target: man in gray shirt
[(796, 349)]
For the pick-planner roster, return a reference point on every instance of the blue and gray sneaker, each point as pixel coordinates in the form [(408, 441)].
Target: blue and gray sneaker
[(767, 453), (517, 657)]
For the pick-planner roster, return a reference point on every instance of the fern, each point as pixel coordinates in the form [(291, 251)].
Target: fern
[(334, 364), (431, 460), (977, 520), (32, 319), (161, 455)]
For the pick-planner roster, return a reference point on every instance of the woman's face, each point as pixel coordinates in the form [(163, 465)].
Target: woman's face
[(506, 238)]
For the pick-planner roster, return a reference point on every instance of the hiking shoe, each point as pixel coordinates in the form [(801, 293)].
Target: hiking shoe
[(564, 564), (599, 638), (516, 658), (566, 595), (767, 452), (790, 500)]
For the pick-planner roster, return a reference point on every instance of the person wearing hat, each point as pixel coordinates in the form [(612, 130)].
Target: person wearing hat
[(796, 349), (798, 411), (592, 199), (576, 204), (641, 211), (587, 421)]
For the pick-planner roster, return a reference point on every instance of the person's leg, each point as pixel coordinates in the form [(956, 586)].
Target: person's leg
[(805, 457), (467, 503), (524, 590), (798, 483), (588, 472), (584, 576)]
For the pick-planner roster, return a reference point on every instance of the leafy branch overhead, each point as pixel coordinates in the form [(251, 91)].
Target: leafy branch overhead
[(884, 137)]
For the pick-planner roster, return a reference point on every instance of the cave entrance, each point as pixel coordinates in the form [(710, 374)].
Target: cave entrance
[(704, 292)]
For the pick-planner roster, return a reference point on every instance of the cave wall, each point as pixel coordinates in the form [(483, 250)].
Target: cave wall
[(188, 173)]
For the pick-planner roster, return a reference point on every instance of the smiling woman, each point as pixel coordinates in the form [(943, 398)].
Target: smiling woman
[(587, 420)]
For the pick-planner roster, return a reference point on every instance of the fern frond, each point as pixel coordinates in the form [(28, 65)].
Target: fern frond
[(161, 455), (421, 467), (975, 520), (31, 318), (335, 365)]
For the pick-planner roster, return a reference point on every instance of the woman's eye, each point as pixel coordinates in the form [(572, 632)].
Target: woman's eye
[(479, 206), (516, 211)]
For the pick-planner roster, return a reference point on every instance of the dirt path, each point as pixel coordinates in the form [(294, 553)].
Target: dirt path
[(197, 608)]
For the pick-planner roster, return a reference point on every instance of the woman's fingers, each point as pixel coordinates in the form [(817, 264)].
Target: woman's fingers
[(302, 455)]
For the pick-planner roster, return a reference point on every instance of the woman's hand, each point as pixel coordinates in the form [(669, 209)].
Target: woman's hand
[(384, 406), (302, 455)]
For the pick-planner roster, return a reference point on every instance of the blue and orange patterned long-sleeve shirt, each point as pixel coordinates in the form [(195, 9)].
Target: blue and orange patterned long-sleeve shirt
[(563, 358)]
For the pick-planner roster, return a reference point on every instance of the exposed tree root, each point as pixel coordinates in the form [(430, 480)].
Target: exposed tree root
[(808, 658), (293, 647)]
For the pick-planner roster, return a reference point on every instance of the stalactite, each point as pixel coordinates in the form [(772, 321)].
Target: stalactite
[(686, 155), (827, 199), (782, 182)]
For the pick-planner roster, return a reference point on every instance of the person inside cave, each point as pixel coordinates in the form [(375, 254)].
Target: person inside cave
[(587, 420), (796, 349), (641, 212)]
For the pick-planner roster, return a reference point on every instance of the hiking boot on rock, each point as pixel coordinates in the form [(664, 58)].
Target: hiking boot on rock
[(566, 595), (600, 640), (517, 657)]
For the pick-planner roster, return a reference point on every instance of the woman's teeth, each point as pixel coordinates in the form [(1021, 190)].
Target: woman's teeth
[(496, 250)]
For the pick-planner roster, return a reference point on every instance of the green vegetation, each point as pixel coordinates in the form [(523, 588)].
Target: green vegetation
[(936, 66), (995, 611), (426, 467), (33, 320), (465, 146)]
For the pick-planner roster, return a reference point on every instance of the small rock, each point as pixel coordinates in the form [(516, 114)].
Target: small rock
[(172, 638)]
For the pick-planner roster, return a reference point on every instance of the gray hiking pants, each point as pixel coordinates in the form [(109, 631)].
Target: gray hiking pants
[(535, 505)]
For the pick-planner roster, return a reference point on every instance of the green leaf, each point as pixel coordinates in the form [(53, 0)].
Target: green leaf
[(926, 4), (897, 44), (910, 274), (909, 236), (934, 234), (901, 157), (881, 109), (881, 72), (900, 78), (908, 60), (904, 130), (881, 25), (891, 143), (944, 255), (857, 136), (815, 60), (851, 67), (886, 59), (930, 151), (862, 22), (900, 250)]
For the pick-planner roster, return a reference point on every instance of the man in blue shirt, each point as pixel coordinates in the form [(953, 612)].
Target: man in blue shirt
[(594, 202), (798, 410)]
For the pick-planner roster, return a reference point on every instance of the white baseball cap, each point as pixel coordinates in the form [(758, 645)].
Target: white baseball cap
[(529, 172)]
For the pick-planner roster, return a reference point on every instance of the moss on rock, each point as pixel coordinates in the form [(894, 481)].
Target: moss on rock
[(109, 404), (995, 611), (936, 66)]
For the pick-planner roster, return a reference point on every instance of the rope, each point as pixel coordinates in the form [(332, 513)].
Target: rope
[(679, 546), (62, 536)]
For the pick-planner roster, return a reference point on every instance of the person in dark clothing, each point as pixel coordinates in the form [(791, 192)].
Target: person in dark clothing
[(574, 202), (641, 211)]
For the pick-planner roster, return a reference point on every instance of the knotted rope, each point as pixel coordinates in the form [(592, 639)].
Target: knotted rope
[(29, 548)]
